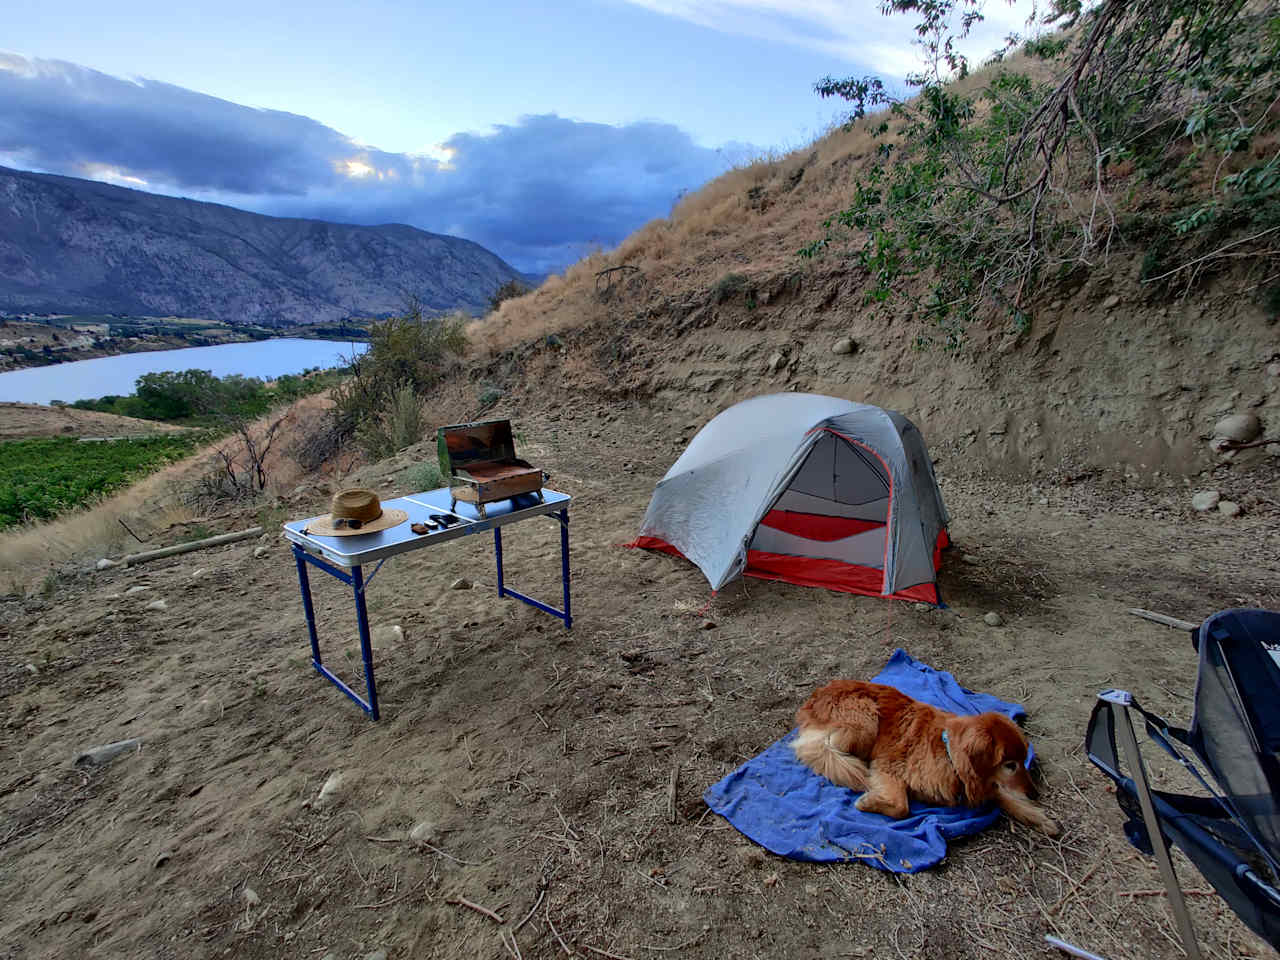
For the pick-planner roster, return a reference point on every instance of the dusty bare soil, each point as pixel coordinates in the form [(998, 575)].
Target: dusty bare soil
[(38, 420), (536, 761)]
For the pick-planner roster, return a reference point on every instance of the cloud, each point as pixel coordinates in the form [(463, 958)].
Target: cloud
[(537, 192), (855, 32)]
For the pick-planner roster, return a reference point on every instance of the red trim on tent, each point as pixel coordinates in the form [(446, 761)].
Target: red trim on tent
[(816, 571), (815, 526), (884, 563)]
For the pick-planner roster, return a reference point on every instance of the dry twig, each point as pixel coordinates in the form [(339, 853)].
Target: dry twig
[(464, 902)]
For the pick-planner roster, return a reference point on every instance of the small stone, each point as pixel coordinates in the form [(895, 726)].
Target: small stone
[(776, 362), (1273, 449), (261, 551), (163, 857), (332, 787), (32, 669), (251, 897), (969, 558), (97, 756), (1241, 427), (1205, 500), (992, 619), (845, 345), (462, 583), (1111, 302), (133, 590), (157, 605), (1229, 509), (923, 607), (106, 563), (423, 833), (198, 573), (708, 624), (1044, 501), (1273, 369)]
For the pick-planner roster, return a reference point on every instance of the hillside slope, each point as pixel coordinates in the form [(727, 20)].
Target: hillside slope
[(713, 304), (77, 246)]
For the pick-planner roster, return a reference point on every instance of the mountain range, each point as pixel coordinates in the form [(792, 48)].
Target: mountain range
[(79, 246)]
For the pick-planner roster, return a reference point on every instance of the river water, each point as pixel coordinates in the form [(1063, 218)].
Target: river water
[(90, 379)]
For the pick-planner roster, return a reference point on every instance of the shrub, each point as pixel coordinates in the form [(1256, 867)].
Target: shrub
[(508, 291), (426, 476)]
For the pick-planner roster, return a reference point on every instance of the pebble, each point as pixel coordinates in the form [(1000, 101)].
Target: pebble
[(251, 897), (462, 583), (1044, 501), (1241, 427), (423, 832), (133, 590), (97, 756), (969, 558), (844, 345), (1273, 369), (106, 564), (1205, 500), (198, 573), (1111, 302), (1273, 449), (708, 624), (332, 787), (32, 669), (992, 619), (1229, 509), (157, 605), (776, 362), (261, 551)]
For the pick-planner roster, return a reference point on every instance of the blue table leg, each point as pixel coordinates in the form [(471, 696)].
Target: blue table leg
[(366, 648), (564, 565), (304, 583), (497, 549)]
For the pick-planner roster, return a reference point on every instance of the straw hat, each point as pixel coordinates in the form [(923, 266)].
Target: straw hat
[(355, 512)]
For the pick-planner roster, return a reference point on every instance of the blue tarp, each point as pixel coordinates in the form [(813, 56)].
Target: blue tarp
[(789, 810)]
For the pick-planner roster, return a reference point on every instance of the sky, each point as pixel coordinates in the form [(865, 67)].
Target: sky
[(541, 131)]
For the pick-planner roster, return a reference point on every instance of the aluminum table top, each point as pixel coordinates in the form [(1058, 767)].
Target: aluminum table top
[(354, 551)]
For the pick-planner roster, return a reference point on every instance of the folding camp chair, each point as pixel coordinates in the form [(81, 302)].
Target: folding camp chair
[(1233, 834)]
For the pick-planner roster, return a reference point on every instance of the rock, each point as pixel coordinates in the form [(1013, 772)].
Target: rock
[(776, 362), (1241, 427), (992, 619), (1273, 369), (1044, 501), (251, 897), (133, 590), (423, 832), (923, 607), (845, 345), (106, 563), (1111, 302), (376, 955), (708, 624), (163, 857), (198, 573), (261, 551), (1273, 449), (157, 605), (32, 669), (1229, 509), (462, 583), (969, 558), (332, 788), (97, 756), (1205, 500)]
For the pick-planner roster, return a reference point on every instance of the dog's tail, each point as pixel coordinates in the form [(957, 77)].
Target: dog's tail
[(825, 751)]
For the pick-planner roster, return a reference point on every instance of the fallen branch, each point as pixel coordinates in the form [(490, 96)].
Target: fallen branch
[(464, 902), (189, 547), (671, 792), (556, 933), (1163, 619), (1162, 893), (532, 910)]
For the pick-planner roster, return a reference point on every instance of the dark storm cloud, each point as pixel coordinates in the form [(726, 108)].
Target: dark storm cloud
[(537, 192)]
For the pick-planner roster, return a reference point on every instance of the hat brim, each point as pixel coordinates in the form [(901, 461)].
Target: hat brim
[(323, 526)]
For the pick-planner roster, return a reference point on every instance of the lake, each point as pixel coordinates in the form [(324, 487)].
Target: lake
[(100, 377)]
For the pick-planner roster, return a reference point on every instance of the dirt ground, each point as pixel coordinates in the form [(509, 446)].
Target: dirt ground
[(535, 763), (19, 420)]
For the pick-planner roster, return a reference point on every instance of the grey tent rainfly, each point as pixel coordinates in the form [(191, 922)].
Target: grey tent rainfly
[(808, 489)]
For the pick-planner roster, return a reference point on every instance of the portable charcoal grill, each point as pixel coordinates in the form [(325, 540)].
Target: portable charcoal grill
[(480, 462)]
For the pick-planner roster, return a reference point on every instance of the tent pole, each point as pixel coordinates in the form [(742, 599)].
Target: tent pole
[(1119, 702)]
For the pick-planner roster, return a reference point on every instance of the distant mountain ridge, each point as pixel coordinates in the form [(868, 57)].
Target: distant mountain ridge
[(79, 246)]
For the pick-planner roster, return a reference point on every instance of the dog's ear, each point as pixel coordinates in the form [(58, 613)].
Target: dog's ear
[(973, 755)]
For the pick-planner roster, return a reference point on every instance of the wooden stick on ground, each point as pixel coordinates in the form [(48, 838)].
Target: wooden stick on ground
[(464, 902), (1166, 620), (188, 547)]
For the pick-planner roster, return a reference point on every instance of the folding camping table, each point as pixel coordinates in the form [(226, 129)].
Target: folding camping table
[(345, 557)]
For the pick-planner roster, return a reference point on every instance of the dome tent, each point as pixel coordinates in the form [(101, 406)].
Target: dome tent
[(808, 489)]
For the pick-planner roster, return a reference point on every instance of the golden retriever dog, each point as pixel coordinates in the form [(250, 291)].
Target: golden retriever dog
[(871, 737)]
